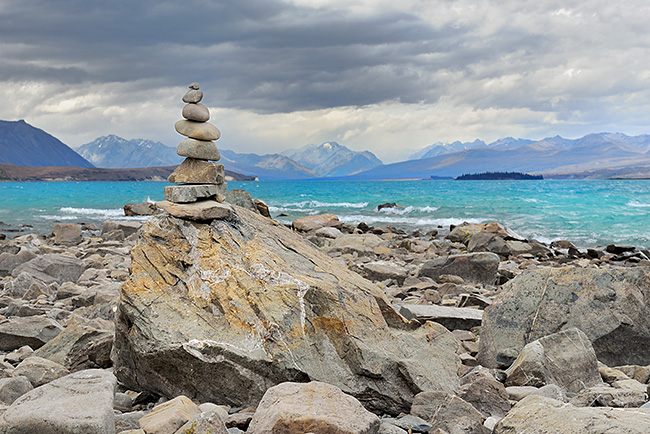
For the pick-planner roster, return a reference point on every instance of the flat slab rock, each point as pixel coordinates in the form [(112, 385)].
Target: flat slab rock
[(253, 301), (78, 403), (453, 318), (203, 210)]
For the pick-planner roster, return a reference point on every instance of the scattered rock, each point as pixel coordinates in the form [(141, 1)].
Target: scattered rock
[(13, 388), (52, 267), (67, 234), (474, 267), (141, 208), (77, 403), (79, 346), (311, 407), (168, 417), (33, 331), (40, 371), (566, 359), (609, 305), (313, 222), (453, 318), (536, 414)]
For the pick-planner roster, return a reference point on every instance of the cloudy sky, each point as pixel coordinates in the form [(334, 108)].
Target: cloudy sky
[(384, 75)]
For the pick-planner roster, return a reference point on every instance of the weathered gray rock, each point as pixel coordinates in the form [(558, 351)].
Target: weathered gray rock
[(197, 130), (141, 208), (313, 222), (453, 318), (195, 171), (362, 245), (484, 392), (128, 228), (9, 261), (473, 267), (463, 232), (79, 347), (191, 192), (609, 305), (201, 149), (539, 415), (40, 371), (383, 270), (250, 299), (13, 388), (452, 414), (168, 417), (34, 331), (566, 359), (52, 267), (262, 207), (517, 393), (67, 234), (196, 112), (20, 285), (193, 96), (240, 198), (606, 396), (78, 403), (311, 407), (199, 211), (211, 423)]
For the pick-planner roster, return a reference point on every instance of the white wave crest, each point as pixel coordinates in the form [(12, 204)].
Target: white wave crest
[(116, 212), (410, 221), (409, 209), (318, 204), (637, 204)]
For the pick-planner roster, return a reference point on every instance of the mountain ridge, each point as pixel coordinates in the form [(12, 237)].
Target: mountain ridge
[(24, 144)]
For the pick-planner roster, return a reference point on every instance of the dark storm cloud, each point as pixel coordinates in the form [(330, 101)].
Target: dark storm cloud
[(261, 55)]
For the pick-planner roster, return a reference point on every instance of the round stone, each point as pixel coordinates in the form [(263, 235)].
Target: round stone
[(197, 130), (193, 96), (200, 149), (196, 112), (194, 86)]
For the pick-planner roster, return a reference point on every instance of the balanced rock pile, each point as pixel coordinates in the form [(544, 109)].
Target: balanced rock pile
[(201, 181)]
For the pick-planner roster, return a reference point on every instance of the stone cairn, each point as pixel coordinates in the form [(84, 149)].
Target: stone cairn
[(201, 182)]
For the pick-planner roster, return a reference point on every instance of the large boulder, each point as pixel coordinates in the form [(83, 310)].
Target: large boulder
[(611, 306), (565, 359), (34, 331), (539, 415), (313, 222), (53, 267), (311, 407), (78, 403), (474, 267), (220, 312)]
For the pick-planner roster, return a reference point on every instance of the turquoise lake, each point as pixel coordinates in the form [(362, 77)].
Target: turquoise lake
[(588, 213)]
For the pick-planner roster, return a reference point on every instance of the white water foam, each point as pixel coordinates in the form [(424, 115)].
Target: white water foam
[(411, 221), (409, 209), (115, 212), (318, 204), (637, 204)]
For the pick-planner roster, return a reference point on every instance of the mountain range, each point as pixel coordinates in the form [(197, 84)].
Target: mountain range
[(312, 161), (114, 152), (553, 156), (602, 155)]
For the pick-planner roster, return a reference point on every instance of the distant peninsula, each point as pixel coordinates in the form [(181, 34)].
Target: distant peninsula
[(498, 176)]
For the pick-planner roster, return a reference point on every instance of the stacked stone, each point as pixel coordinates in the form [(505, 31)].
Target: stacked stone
[(201, 181)]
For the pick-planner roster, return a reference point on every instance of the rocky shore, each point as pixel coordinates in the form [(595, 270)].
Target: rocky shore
[(239, 324)]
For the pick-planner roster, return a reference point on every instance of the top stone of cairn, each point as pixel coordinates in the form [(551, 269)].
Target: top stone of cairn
[(194, 95)]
